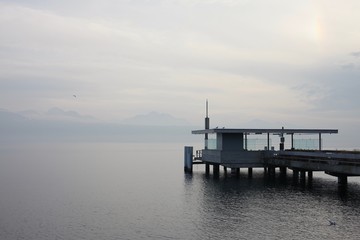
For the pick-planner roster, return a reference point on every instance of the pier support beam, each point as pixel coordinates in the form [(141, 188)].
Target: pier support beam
[(310, 175), (250, 171), (302, 174), (207, 168), (188, 159), (342, 180), (295, 173), (235, 172), (283, 171), (302, 177), (271, 171), (216, 170)]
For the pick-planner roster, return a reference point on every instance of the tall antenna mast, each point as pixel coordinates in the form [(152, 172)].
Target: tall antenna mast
[(207, 108), (207, 124)]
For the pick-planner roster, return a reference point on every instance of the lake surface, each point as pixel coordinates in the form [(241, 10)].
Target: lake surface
[(139, 191)]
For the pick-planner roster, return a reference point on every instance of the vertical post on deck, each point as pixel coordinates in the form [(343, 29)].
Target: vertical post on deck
[(282, 140), (245, 142), (188, 159), (207, 124), (320, 142), (292, 141)]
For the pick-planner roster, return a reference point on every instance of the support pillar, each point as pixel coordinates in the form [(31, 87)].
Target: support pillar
[(225, 171), (271, 171), (302, 175), (310, 175), (188, 159), (207, 168), (250, 171), (310, 178), (283, 171), (216, 170), (235, 172), (295, 173), (342, 180)]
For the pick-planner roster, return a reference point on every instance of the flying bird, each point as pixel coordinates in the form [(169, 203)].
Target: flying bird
[(74, 96), (331, 222)]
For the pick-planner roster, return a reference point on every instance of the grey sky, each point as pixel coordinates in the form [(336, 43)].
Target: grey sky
[(283, 61)]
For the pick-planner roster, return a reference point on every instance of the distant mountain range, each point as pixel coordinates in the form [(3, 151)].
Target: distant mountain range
[(150, 119), (59, 125), (10, 117), (54, 113)]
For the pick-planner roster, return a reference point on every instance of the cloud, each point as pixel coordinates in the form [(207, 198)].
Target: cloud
[(333, 88), (355, 54), (251, 59)]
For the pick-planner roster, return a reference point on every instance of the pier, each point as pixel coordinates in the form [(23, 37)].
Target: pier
[(229, 152), (231, 149)]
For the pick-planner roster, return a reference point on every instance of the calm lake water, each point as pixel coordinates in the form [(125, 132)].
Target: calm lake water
[(139, 191)]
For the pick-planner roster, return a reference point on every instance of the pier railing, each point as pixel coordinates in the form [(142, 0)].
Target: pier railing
[(198, 155)]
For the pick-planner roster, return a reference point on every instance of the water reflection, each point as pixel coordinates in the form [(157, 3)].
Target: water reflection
[(267, 207)]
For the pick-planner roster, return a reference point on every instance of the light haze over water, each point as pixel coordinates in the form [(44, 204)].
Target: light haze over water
[(139, 191)]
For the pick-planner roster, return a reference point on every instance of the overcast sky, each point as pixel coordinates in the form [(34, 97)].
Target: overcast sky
[(292, 62)]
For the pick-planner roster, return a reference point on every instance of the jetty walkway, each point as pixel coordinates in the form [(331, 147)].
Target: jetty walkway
[(229, 148)]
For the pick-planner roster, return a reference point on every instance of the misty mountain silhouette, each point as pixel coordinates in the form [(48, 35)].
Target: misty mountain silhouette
[(55, 111), (10, 117), (16, 128)]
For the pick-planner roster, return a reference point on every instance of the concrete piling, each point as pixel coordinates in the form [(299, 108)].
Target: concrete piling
[(282, 171), (342, 180), (235, 172), (302, 174), (188, 159), (216, 170), (310, 175), (207, 169), (295, 173), (250, 172)]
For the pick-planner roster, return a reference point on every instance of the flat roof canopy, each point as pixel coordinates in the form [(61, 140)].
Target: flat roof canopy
[(263, 131)]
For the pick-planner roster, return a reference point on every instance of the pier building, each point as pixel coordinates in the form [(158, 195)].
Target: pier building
[(233, 148)]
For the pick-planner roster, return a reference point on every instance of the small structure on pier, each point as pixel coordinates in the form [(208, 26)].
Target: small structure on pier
[(230, 148)]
